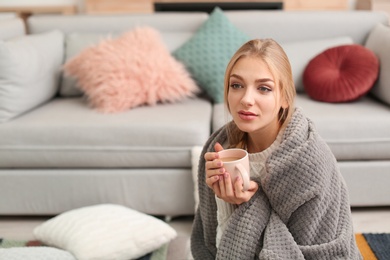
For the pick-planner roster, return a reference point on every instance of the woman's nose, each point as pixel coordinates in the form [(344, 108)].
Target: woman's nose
[(247, 98)]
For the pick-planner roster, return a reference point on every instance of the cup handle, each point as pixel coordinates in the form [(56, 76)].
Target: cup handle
[(243, 173)]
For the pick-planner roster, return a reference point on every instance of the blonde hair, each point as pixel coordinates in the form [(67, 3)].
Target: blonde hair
[(274, 56)]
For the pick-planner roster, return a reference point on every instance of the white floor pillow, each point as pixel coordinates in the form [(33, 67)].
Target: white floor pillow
[(105, 232)]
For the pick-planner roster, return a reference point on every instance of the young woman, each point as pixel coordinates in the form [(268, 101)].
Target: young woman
[(297, 205)]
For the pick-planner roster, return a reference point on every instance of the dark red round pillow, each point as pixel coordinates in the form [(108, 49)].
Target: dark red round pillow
[(341, 74)]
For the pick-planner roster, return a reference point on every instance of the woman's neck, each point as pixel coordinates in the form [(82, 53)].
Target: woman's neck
[(259, 141)]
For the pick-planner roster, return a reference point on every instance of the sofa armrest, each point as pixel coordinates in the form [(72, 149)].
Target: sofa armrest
[(379, 42)]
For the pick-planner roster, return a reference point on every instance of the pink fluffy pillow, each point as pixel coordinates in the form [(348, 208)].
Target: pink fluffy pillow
[(132, 70)]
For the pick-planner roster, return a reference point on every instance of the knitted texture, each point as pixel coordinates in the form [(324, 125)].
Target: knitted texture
[(301, 210)]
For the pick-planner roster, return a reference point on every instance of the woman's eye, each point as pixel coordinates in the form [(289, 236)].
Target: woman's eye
[(235, 86), (264, 89)]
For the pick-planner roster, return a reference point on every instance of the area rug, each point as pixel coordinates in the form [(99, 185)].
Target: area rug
[(374, 246), (159, 254)]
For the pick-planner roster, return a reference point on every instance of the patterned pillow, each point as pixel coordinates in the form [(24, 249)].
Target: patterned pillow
[(208, 52)]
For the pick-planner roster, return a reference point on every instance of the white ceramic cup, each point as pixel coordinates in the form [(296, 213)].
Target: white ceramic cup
[(236, 163)]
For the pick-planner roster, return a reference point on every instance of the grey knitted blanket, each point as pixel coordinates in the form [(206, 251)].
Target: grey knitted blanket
[(301, 210)]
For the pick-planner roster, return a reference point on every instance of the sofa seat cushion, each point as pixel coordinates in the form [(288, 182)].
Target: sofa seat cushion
[(354, 131), (66, 133)]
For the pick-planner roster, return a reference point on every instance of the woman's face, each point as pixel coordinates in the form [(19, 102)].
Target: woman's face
[(254, 97)]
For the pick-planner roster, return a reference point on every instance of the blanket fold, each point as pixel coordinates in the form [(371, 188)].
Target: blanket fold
[(301, 210)]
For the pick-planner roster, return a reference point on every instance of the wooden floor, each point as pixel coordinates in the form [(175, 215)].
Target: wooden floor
[(365, 220)]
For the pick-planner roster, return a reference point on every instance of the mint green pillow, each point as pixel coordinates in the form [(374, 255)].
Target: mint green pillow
[(208, 52)]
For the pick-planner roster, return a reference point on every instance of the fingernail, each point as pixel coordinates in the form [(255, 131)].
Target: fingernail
[(226, 175), (222, 170), (219, 164), (216, 177)]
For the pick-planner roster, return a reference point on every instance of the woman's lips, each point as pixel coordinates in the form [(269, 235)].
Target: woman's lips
[(247, 115)]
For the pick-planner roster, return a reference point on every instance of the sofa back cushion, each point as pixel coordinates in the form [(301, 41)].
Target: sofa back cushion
[(304, 35), (29, 72), (11, 27), (175, 28), (300, 25), (84, 31), (301, 52)]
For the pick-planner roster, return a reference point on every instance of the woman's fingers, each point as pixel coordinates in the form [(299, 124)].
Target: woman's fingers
[(229, 190), (214, 170), (211, 180), (218, 147), (244, 196), (215, 167), (210, 156), (217, 190), (222, 186), (253, 186), (238, 186)]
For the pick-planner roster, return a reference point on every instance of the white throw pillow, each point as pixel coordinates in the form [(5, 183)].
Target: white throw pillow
[(300, 53), (379, 42), (29, 72), (105, 232)]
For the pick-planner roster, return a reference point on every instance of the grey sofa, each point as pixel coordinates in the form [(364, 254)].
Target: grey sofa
[(62, 154)]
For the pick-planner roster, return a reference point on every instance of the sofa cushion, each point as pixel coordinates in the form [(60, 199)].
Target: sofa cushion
[(27, 190), (379, 42), (208, 52), (132, 70), (105, 232), (303, 26), (29, 72), (348, 128), (301, 52), (176, 28), (11, 27), (83, 31), (67, 133), (354, 131), (341, 74)]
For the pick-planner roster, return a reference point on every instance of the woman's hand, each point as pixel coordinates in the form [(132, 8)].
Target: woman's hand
[(233, 192), (214, 167), (220, 181)]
